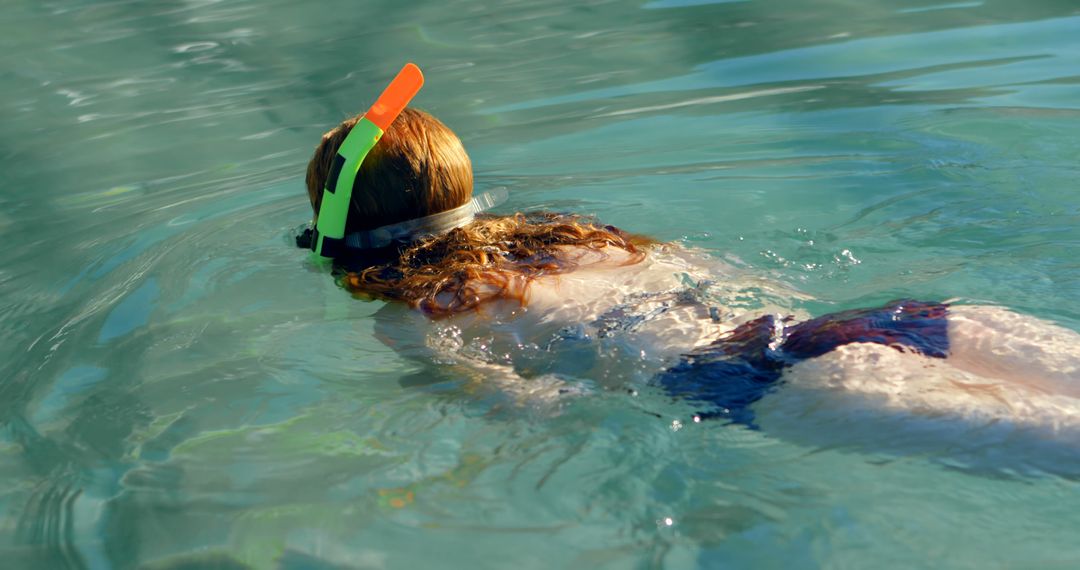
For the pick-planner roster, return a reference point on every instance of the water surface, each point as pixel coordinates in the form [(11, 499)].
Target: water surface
[(179, 386)]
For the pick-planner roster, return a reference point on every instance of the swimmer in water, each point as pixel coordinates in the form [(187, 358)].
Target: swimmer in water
[(534, 301)]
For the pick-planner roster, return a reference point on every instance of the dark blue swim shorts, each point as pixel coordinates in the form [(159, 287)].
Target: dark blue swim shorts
[(740, 367)]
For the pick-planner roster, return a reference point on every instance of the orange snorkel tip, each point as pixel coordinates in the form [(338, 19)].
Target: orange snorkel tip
[(396, 96)]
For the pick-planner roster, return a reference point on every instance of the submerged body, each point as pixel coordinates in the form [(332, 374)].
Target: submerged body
[(983, 380), (544, 306)]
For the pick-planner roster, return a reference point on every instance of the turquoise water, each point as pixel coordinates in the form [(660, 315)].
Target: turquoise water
[(181, 388)]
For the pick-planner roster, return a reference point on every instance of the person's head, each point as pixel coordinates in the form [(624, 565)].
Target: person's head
[(417, 168)]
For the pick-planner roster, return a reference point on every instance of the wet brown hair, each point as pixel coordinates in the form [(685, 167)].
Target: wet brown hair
[(419, 168)]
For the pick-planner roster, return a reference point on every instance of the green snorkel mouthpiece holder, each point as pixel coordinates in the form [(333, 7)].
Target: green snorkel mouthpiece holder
[(328, 238)]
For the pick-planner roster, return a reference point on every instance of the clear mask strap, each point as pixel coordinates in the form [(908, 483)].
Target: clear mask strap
[(435, 224)]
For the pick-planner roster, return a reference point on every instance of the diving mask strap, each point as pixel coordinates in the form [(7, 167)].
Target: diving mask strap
[(435, 224)]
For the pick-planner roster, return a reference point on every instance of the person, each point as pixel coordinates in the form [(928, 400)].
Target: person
[(544, 303)]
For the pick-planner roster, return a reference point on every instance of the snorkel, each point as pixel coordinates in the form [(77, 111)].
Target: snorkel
[(328, 239)]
